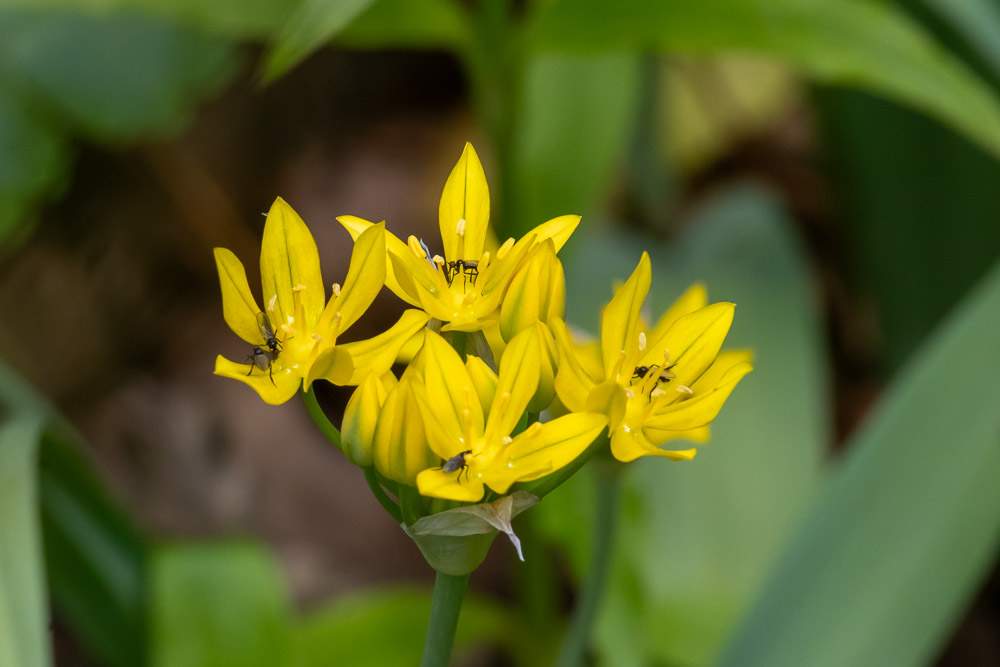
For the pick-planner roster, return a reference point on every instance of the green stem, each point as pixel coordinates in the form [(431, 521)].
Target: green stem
[(319, 417), (381, 496), (449, 590), (608, 496)]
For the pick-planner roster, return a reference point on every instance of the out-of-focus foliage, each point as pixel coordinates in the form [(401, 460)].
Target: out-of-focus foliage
[(692, 550), (23, 616), (900, 536), (104, 77)]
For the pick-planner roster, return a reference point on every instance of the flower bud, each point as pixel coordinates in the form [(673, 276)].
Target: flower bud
[(536, 292), (361, 416), (400, 443)]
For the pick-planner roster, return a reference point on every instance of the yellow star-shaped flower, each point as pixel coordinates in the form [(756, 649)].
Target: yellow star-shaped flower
[(465, 287), (295, 340), (655, 385)]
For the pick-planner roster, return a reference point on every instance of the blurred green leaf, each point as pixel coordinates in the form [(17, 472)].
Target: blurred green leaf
[(231, 18), (113, 77), (696, 539), (978, 21), (217, 605), (32, 159), (860, 43), (408, 23), (889, 554), (574, 123), (387, 627), (24, 637), (94, 558), (312, 24)]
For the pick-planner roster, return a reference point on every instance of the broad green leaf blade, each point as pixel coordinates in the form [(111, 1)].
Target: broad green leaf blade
[(861, 43), (113, 77), (95, 558), (698, 537), (215, 605), (312, 24), (388, 627), (978, 21), (24, 636), (394, 24), (562, 166), (889, 554)]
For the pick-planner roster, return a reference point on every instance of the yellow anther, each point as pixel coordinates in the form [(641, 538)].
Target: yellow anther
[(505, 248), (629, 393), (298, 288), (460, 227), (438, 259), (316, 337), (507, 440), (684, 389), (642, 341), (336, 289), (657, 392)]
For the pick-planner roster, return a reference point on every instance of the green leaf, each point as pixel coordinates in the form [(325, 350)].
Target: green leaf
[(394, 24), (697, 538), (312, 24), (113, 77), (94, 558), (890, 553), (215, 605), (24, 637), (33, 157), (387, 627), (860, 43), (574, 124)]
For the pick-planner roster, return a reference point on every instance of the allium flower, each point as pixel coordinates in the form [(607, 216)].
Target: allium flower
[(655, 385), (472, 436), (295, 340), (465, 287)]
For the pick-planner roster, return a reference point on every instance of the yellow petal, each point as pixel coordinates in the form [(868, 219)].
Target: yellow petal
[(704, 404), (435, 483), (558, 229), (517, 384), (693, 342), (443, 443), (275, 387), (483, 379), (289, 259), (336, 365), (357, 436), (695, 298), (629, 444), (356, 226), (376, 355), (450, 391), (573, 383), (466, 197), (608, 398), (658, 437), (547, 368), (620, 322), (365, 277), (239, 308), (537, 291), (401, 450), (544, 448)]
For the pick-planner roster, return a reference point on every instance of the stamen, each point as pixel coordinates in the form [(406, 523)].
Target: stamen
[(657, 392), (507, 440), (617, 367), (336, 289), (533, 430), (297, 288), (629, 393), (505, 248), (460, 227), (684, 389), (438, 259), (316, 337), (642, 341), (414, 245)]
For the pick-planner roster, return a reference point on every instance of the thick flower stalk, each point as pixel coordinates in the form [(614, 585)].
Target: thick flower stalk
[(294, 340), (655, 385), (465, 287)]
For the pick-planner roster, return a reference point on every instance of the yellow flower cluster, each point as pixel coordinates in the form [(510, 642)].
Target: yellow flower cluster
[(489, 351)]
